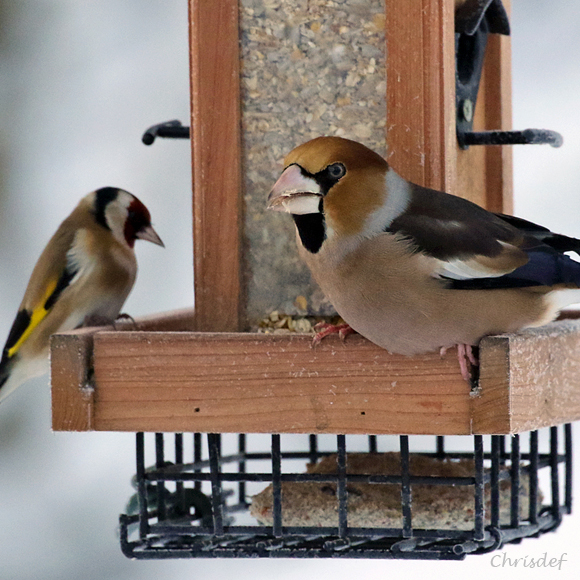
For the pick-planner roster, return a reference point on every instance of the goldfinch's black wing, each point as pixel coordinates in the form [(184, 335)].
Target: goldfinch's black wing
[(28, 319), (48, 281)]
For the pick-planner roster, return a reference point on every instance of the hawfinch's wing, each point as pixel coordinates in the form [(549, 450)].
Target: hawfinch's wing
[(542, 234), (52, 274), (474, 248)]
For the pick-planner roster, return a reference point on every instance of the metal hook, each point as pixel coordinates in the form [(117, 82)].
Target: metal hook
[(474, 20), (170, 129), (525, 137)]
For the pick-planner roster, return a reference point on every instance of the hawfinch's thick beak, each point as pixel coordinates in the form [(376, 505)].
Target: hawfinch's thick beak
[(149, 234), (295, 193)]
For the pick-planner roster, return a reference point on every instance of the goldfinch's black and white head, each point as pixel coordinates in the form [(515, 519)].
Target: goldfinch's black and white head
[(123, 215)]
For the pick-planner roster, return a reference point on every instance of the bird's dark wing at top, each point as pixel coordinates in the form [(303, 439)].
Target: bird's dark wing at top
[(477, 249)]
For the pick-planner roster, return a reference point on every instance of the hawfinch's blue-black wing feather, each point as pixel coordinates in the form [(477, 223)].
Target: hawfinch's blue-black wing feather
[(474, 248), (557, 241), (545, 267)]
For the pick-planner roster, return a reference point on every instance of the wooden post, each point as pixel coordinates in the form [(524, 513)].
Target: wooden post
[(421, 91), (217, 182), (497, 88), (421, 134)]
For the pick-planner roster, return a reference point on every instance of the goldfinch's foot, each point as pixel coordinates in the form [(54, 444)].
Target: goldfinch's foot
[(324, 329), (125, 316)]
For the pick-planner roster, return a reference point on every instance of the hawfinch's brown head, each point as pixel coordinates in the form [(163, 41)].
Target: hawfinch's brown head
[(330, 185)]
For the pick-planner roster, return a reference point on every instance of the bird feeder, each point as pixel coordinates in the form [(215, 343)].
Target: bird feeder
[(267, 75)]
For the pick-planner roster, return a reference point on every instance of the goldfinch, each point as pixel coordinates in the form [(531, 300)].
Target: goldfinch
[(413, 269), (85, 273)]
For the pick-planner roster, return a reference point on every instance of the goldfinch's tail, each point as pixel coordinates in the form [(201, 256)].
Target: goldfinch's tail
[(6, 366), (14, 371)]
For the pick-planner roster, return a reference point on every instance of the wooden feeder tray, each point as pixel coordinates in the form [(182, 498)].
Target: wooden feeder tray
[(164, 378)]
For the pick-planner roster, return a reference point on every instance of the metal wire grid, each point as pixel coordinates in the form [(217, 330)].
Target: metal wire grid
[(160, 535)]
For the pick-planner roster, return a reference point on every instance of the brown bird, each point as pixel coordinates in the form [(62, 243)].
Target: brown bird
[(85, 273), (413, 269)]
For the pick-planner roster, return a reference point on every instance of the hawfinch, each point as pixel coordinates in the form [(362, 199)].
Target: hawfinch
[(413, 269), (85, 272)]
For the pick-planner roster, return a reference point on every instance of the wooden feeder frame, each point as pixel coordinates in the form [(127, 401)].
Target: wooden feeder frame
[(196, 372)]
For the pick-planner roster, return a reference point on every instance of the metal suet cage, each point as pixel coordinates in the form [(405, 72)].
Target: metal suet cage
[(199, 508)]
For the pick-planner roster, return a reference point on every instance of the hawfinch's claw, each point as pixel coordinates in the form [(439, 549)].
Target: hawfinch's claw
[(324, 329), (464, 354)]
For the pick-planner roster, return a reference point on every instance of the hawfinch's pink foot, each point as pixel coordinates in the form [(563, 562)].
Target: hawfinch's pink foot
[(464, 353), (324, 329)]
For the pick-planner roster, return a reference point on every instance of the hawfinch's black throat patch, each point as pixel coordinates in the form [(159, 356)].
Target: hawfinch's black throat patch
[(311, 229)]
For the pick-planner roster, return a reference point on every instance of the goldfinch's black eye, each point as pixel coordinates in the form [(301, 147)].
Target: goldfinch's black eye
[(336, 170)]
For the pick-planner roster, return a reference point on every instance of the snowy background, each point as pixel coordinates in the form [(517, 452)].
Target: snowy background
[(79, 82)]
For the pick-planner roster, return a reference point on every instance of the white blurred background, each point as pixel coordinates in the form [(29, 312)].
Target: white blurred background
[(79, 83)]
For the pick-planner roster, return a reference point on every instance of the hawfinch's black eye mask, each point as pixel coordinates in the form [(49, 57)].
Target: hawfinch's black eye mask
[(330, 176)]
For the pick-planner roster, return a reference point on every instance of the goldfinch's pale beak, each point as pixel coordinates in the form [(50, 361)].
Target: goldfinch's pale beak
[(295, 193), (149, 234)]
